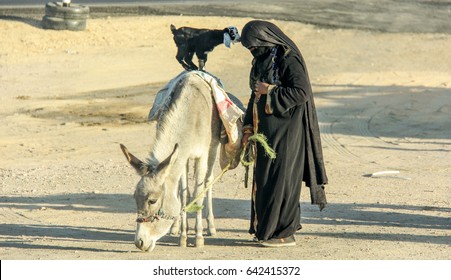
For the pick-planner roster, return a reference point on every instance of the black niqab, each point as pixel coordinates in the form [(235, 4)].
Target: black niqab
[(258, 33)]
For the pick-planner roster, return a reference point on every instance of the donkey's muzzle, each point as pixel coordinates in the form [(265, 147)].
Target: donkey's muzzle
[(143, 246)]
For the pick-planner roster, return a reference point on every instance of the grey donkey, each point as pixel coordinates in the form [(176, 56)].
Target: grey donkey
[(188, 130)]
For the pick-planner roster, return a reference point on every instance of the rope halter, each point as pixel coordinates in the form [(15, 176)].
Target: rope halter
[(157, 216)]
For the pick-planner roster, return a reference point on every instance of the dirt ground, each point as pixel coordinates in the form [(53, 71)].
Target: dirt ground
[(69, 98)]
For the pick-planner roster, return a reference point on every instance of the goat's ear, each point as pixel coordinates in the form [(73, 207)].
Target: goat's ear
[(173, 28), (139, 166)]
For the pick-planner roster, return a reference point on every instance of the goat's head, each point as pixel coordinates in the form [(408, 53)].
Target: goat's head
[(231, 35)]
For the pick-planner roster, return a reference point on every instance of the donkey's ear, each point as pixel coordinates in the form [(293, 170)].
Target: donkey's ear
[(139, 166), (164, 167)]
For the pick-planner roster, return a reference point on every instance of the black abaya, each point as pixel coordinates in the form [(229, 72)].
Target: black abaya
[(276, 188), (287, 117)]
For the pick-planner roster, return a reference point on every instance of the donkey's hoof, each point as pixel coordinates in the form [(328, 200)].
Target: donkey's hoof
[(175, 228), (199, 241), (212, 231), (183, 241)]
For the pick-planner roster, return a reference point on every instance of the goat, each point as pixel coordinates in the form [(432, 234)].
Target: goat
[(190, 41)]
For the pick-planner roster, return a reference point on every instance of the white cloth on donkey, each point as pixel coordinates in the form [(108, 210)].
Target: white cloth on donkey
[(230, 114), (162, 99)]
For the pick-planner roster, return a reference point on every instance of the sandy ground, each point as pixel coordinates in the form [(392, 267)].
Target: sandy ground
[(69, 98)]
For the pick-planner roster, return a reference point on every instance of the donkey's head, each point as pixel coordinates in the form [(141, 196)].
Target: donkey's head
[(156, 199)]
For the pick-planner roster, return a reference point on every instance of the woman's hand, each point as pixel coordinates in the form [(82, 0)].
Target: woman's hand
[(245, 138), (261, 88)]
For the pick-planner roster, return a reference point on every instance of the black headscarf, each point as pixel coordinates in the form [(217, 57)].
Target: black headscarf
[(266, 37), (259, 33)]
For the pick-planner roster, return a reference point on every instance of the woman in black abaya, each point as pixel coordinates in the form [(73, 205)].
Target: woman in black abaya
[(281, 107)]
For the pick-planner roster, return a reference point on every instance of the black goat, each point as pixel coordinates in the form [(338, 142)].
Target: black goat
[(190, 41)]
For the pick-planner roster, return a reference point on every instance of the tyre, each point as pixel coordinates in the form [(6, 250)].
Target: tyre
[(56, 10), (63, 24)]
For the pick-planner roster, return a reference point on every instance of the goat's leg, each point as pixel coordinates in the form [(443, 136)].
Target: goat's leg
[(181, 54), (184, 200), (201, 169), (201, 64), (189, 61), (202, 58)]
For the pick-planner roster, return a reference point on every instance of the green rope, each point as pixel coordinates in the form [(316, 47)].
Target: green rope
[(247, 156), (245, 152), (260, 138), (193, 207)]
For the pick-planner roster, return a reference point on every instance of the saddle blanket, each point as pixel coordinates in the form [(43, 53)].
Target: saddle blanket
[(230, 113)]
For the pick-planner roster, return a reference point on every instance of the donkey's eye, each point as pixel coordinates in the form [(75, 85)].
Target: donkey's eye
[(152, 201)]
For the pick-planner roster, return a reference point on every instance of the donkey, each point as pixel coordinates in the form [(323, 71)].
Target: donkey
[(188, 130)]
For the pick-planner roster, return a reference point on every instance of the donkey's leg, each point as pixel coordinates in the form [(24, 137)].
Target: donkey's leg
[(184, 200), (175, 228), (201, 169), (210, 216)]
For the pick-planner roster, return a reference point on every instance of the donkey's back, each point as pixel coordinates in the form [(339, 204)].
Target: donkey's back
[(193, 118)]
